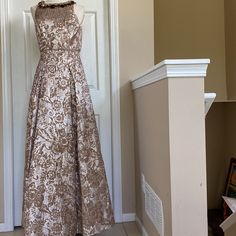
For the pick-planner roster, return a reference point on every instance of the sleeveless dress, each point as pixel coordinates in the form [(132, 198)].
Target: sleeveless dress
[(65, 185)]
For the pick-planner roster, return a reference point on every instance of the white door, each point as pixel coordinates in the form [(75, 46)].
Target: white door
[(25, 56)]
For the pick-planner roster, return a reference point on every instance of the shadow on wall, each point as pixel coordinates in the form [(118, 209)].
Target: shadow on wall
[(127, 148), (221, 136)]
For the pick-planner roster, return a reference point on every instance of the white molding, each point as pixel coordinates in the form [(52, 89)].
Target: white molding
[(7, 225), (209, 99), (144, 232), (172, 69), (115, 98), (129, 217)]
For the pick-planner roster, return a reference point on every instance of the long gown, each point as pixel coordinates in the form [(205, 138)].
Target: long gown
[(65, 184)]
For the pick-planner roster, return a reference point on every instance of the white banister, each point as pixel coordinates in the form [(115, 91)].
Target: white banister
[(183, 68), (172, 69), (170, 148)]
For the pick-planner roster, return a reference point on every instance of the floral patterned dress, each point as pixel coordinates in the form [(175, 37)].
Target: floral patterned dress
[(65, 184)]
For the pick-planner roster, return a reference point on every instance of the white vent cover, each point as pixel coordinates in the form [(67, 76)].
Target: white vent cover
[(153, 207)]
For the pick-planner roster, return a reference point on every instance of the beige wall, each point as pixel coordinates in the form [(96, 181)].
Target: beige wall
[(170, 152), (136, 29), (152, 149), (187, 156), (193, 29), (231, 231), (1, 156), (200, 29), (216, 156), (221, 139), (230, 30), (230, 112)]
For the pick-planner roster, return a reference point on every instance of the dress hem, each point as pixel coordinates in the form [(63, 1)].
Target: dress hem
[(107, 227)]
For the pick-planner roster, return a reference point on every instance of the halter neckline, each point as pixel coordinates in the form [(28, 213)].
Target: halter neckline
[(53, 5)]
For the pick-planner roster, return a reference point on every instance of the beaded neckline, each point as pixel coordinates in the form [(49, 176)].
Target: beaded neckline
[(43, 4)]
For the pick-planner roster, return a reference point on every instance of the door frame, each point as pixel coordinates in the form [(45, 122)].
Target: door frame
[(7, 119), (8, 171)]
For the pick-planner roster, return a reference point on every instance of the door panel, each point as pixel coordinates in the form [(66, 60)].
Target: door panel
[(25, 56)]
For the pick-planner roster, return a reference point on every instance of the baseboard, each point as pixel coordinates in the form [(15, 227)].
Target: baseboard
[(129, 217), (138, 221)]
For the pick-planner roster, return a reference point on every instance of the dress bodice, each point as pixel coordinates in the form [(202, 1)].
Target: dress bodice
[(57, 27)]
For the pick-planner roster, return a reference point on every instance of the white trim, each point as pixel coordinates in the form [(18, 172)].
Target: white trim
[(129, 217), (172, 69), (115, 97), (7, 225), (229, 222), (209, 99), (7, 113), (144, 232)]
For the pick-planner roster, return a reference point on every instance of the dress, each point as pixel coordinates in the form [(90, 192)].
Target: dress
[(65, 185)]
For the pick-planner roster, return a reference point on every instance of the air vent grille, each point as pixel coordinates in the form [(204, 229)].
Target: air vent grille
[(153, 207)]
